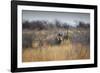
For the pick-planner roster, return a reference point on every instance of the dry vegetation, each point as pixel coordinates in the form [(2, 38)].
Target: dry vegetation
[(37, 48)]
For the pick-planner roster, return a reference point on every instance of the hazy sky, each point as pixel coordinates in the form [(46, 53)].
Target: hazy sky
[(71, 18)]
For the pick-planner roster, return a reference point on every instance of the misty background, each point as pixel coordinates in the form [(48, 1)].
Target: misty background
[(70, 18)]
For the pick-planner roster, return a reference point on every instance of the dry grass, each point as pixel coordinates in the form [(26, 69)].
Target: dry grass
[(65, 51)]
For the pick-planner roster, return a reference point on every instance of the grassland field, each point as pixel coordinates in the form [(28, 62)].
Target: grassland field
[(76, 47)]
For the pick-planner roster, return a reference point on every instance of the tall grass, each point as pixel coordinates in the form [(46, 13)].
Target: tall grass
[(67, 50)]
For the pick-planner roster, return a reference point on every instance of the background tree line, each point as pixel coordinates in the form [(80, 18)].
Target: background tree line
[(47, 25)]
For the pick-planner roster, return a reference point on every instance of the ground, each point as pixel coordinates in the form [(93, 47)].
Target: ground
[(70, 49)]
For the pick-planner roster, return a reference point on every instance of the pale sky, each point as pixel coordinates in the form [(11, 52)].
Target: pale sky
[(70, 18)]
